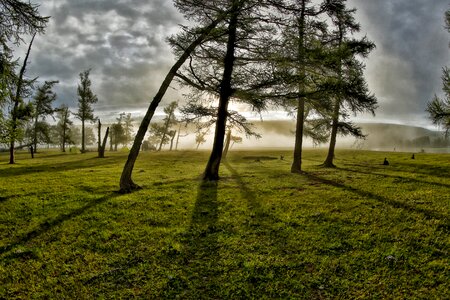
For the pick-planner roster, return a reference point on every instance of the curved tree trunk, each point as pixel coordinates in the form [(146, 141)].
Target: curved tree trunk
[(328, 163), (212, 167), (126, 183), (16, 99), (227, 144)]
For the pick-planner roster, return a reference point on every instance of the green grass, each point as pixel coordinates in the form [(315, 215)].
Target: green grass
[(361, 230)]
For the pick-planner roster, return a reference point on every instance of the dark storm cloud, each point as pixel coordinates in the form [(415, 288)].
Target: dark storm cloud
[(412, 47), (123, 41)]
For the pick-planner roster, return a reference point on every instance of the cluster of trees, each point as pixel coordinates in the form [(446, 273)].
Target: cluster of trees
[(301, 55), (439, 109)]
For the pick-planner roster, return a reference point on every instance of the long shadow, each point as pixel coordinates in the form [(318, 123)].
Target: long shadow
[(66, 166), (394, 203), (199, 276), (396, 177), (49, 224)]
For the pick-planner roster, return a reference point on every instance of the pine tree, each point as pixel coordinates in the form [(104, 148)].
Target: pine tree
[(86, 98), (42, 103), (350, 90)]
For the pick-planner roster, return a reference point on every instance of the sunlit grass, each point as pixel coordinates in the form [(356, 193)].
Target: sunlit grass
[(361, 230)]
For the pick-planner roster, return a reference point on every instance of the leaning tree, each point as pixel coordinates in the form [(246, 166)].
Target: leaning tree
[(198, 35)]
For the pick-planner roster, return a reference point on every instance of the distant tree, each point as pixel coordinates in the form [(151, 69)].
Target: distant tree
[(117, 135), (168, 121), (42, 104), (439, 109), (63, 126), (128, 128), (86, 98), (200, 138), (179, 134)]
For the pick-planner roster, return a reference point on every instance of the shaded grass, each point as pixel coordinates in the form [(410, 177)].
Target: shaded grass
[(361, 230)]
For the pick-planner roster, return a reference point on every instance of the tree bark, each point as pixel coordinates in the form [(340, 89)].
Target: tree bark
[(296, 166), (328, 163), (16, 104), (227, 144), (101, 153), (126, 183), (82, 137), (171, 141), (99, 143), (212, 168), (298, 148)]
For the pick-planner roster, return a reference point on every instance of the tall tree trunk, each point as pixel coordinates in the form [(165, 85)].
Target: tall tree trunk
[(178, 138), (82, 136), (16, 99), (111, 141), (328, 163), (212, 167), (171, 141), (35, 134), (99, 143), (101, 152), (126, 182), (296, 166), (298, 148), (166, 128), (227, 144)]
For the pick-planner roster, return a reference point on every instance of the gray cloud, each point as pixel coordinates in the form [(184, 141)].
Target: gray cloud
[(412, 47), (123, 41)]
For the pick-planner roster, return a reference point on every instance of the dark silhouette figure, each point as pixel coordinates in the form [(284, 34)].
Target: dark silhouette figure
[(385, 162), (32, 151), (412, 157), (281, 157)]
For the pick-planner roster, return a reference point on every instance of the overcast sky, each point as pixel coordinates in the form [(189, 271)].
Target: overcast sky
[(123, 41)]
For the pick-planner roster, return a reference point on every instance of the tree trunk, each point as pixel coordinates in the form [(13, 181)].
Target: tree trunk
[(99, 147), (166, 128), (82, 137), (35, 135), (297, 162), (178, 138), (101, 152), (111, 142), (227, 144), (328, 163), (126, 182), (212, 167), (16, 99), (171, 141), (296, 166)]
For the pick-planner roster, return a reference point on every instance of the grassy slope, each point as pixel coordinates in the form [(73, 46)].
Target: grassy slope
[(359, 231)]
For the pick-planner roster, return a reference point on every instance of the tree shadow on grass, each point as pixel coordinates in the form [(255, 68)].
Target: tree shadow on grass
[(58, 167), (366, 194), (50, 224), (199, 276), (406, 179)]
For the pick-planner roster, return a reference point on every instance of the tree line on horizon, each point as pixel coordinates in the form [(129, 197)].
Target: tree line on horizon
[(302, 56)]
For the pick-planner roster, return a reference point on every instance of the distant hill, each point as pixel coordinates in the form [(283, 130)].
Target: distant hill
[(381, 136)]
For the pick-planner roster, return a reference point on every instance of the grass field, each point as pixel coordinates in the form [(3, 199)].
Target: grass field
[(361, 230)]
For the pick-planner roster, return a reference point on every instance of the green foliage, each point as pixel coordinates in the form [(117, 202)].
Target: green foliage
[(360, 231)]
